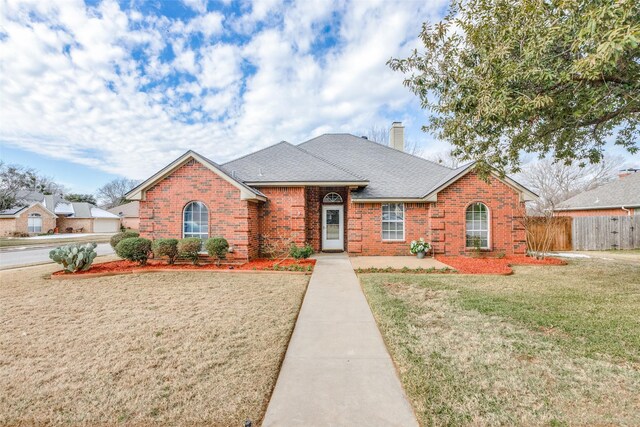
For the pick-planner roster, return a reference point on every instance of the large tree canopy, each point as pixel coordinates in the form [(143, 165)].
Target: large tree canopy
[(557, 77)]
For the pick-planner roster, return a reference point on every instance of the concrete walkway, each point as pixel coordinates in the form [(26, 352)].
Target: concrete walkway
[(337, 371)]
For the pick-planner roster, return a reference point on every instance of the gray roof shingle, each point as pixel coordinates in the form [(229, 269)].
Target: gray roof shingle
[(284, 162), (621, 192), (391, 173)]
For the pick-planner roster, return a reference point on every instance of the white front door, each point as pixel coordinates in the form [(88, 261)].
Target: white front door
[(332, 227)]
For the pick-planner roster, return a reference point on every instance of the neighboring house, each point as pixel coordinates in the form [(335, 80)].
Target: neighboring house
[(620, 197), (338, 192), (38, 213), (129, 214), (31, 218)]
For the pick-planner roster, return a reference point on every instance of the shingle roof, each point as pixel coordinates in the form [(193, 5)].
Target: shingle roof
[(622, 192), (128, 210), (391, 173), (284, 162)]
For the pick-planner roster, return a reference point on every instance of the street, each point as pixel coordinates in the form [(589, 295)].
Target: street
[(20, 257)]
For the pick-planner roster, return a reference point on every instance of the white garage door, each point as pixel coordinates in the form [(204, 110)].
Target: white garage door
[(106, 225)]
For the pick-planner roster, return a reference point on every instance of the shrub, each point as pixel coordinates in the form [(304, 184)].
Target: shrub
[(134, 249), (75, 257), (217, 247), (116, 238), (166, 247), (18, 234), (189, 248), (302, 252)]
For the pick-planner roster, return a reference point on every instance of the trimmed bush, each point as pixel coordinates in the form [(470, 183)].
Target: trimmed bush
[(165, 247), (115, 239), (189, 248), (217, 247), (302, 252), (134, 249), (74, 257)]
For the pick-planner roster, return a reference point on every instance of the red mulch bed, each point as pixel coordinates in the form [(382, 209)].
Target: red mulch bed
[(128, 266), (467, 265)]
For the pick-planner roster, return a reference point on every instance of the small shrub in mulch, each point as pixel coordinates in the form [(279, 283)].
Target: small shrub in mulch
[(256, 265)]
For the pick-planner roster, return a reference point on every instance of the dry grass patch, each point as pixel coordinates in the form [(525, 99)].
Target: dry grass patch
[(164, 348), (546, 346)]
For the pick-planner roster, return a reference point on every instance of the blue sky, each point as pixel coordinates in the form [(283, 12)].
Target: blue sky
[(91, 91)]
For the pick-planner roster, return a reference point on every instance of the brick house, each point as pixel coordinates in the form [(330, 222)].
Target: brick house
[(337, 192), (617, 198), (37, 213)]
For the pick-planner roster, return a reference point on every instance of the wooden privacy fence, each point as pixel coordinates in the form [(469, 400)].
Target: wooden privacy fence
[(591, 233), (556, 231)]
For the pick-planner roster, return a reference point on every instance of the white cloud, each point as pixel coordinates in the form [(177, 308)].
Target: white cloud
[(197, 5), (96, 86)]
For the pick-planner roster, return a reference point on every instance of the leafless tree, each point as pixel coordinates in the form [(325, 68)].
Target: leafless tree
[(112, 193), (380, 134), (556, 182), (17, 178)]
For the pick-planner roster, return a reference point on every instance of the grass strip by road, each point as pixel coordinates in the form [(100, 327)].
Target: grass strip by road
[(18, 242)]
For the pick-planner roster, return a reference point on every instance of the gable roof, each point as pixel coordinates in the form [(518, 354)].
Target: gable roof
[(286, 163), (246, 192), (16, 211), (128, 210), (622, 192)]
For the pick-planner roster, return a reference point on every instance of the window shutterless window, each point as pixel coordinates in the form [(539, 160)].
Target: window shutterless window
[(195, 221), (393, 221), (34, 223), (477, 222)]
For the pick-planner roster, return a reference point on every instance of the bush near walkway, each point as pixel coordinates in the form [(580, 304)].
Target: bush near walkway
[(545, 346)]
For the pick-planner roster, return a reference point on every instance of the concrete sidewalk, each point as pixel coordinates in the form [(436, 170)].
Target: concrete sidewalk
[(337, 371)]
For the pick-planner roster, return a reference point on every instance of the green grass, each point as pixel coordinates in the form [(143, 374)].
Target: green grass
[(5, 242), (548, 345)]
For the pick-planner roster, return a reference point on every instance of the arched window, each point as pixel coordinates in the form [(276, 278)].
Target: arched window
[(34, 223), (477, 225), (195, 220), (332, 198)]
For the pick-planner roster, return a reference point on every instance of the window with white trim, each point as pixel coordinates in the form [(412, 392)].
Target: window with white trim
[(393, 221), (477, 223), (195, 220), (332, 198), (34, 223)]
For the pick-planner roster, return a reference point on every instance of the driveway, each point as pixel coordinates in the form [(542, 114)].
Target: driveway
[(628, 256), (12, 258)]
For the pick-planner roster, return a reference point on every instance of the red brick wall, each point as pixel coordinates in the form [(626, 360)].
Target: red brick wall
[(442, 223), (283, 216), (365, 229), (447, 218), (595, 212), (161, 212)]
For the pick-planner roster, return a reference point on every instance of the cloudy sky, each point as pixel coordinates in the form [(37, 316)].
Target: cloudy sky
[(98, 89), (94, 90)]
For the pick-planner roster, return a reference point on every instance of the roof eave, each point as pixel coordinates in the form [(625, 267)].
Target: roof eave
[(595, 208), (306, 183)]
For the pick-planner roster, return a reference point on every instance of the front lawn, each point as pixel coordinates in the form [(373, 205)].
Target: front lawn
[(549, 345), (184, 348)]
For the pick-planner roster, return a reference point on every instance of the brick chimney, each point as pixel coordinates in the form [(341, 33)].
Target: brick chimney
[(396, 136), (626, 172)]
